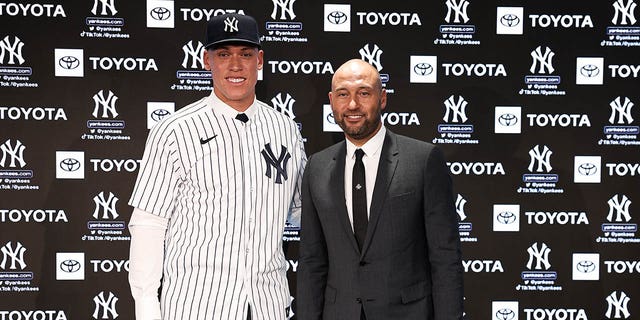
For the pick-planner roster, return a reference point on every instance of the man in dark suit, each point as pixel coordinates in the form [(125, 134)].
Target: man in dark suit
[(383, 243)]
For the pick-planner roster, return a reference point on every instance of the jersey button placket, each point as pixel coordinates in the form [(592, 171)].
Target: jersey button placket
[(247, 145)]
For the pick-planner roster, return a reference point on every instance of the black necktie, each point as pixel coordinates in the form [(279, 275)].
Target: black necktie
[(242, 117), (359, 199)]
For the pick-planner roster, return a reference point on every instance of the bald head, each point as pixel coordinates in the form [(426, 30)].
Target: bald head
[(357, 70)]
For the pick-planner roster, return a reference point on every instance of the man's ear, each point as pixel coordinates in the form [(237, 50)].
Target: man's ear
[(205, 59), (260, 59), (383, 99)]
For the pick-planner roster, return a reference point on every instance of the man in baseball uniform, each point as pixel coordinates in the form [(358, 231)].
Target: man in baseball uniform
[(217, 182)]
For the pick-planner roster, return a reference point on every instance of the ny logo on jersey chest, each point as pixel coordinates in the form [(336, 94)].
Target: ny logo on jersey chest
[(279, 163)]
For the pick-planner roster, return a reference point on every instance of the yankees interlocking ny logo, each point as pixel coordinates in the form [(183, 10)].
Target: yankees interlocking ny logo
[(280, 163)]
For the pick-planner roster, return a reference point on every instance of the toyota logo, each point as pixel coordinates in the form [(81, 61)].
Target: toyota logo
[(505, 314), (158, 114), (586, 266), (423, 69), (507, 119), (160, 13), (587, 169), (506, 217), (589, 71), (70, 164), (69, 62), (337, 17), (331, 119), (70, 266), (509, 20)]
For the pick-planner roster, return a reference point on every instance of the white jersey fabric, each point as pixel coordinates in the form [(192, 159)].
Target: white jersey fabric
[(226, 188)]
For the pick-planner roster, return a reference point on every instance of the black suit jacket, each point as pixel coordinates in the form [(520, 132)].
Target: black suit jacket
[(410, 265)]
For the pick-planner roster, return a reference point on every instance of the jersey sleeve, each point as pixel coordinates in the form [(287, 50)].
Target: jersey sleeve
[(301, 159), (159, 175)]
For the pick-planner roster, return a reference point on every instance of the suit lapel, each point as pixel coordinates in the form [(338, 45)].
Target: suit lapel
[(386, 170), (336, 184)]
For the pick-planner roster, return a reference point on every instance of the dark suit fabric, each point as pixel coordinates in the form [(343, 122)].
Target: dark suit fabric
[(410, 265)]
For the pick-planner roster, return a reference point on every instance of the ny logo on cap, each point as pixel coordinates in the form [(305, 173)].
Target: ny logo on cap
[(231, 24)]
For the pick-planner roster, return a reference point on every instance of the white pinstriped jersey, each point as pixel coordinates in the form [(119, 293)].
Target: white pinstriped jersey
[(226, 188)]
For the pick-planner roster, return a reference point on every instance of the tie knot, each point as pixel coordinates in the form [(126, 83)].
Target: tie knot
[(359, 154), (242, 117)]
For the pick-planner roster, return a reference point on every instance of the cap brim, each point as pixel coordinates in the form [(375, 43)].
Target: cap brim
[(232, 42)]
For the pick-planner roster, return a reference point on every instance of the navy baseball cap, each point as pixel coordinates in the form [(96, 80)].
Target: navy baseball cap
[(232, 28)]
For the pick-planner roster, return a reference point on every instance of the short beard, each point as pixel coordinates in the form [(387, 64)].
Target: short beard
[(359, 133)]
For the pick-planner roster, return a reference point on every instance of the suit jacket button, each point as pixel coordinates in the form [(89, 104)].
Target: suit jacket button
[(362, 263), (358, 300)]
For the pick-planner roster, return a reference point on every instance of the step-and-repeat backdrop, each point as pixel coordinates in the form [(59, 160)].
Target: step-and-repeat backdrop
[(531, 101)]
